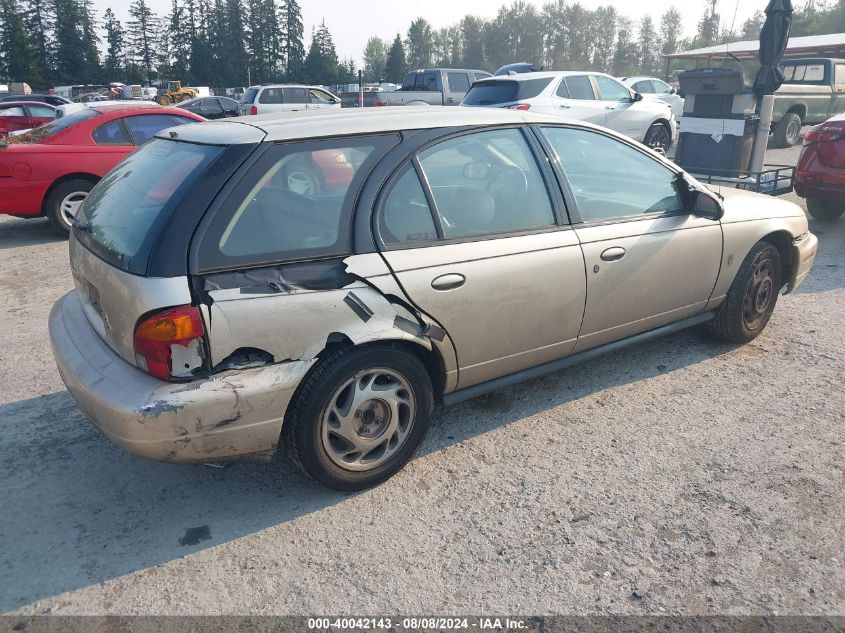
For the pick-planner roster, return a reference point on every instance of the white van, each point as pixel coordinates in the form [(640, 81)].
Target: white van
[(286, 98)]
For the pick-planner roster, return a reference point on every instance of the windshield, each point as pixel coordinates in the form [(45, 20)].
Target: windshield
[(51, 129), (495, 92), (124, 213)]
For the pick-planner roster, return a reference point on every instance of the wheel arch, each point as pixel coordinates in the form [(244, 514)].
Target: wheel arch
[(782, 240), (800, 109), (92, 178)]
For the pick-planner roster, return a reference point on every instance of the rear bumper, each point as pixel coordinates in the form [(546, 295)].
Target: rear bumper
[(820, 191), (805, 249), (232, 415)]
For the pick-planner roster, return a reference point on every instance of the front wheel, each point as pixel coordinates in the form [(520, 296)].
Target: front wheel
[(825, 209), (752, 296), (787, 132), (359, 416), (658, 137), (64, 202)]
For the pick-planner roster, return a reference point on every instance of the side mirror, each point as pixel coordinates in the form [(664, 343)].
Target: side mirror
[(672, 91), (637, 97), (705, 205)]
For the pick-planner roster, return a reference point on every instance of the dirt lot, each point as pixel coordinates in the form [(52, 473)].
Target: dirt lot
[(682, 476)]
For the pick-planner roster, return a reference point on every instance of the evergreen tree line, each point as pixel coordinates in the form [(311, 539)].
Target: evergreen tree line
[(223, 43), (234, 42), (567, 35)]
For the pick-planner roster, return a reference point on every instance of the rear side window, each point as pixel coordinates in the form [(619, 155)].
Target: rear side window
[(644, 87), (580, 88), (271, 95), (124, 213), (804, 73), (42, 111), (249, 95), (295, 95), (406, 216), (145, 126), (111, 133), (458, 82), (14, 111), (494, 92), (295, 204)]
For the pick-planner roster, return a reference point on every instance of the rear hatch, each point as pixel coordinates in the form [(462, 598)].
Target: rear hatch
[(504, 92), (248, 100), (116, 229)]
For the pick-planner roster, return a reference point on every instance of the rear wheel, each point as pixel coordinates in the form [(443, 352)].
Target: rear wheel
[(752, 296), (64, 202), (787, 132), (658, 137), (359, 416), (825, 209), (164, 101)]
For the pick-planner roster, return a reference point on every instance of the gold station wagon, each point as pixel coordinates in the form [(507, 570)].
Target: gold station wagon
[(323, 280)]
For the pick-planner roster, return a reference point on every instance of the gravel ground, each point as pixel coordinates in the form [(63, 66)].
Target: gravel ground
[(682, 476)]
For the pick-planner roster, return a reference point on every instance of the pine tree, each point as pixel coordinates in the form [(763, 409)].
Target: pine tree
[(709, 29), (17, 50), (290, 21), (115, 62), (419, 44), (39, 22), (75, 55), (671, 31), (179, 42), (648, 47), (473, 47), (395, 66), (321, 64), (142, 29), (375, 56)]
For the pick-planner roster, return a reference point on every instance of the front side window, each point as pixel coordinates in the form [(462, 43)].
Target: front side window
[(486, 183), (295, 95), (610, 179), (579, 87), (612, 90), (318, 96), (42, 112), (295, 203)]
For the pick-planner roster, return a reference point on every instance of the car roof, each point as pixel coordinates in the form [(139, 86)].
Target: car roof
[(259, 87), (640, 78), (9, 104), (111, 108), (287, 126), (543, 74)]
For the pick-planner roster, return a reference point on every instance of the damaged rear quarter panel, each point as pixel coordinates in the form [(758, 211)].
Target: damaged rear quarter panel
[(294, 323)]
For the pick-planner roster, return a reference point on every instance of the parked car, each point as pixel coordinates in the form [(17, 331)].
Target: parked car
[(286, 98), (53, 100), (820, 174), (49, 170), (212, 107), (517, 68), (586, 96), (654, 88), (371, 99), (218, 312), (813, 91), (434, 86), (24, 115)]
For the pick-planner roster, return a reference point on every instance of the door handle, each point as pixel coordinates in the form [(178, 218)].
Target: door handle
[(613, 254), (450, 100), (448, 282), (565, 107)]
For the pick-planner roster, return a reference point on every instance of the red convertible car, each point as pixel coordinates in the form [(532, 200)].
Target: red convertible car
[(820, 175), (23, 115), (49, 171)]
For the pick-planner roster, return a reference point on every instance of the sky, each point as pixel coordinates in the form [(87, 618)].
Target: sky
[(352, 22)]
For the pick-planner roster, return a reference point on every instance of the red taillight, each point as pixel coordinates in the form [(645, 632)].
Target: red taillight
[(825, 132), (253, 110), (379, 102), (156, 336), (519, 106)]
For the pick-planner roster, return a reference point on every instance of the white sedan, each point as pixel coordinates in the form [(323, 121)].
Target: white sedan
[(586, 96), (654, 88)]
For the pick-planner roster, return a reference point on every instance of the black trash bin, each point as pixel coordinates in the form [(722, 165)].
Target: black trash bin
[(719, 122)]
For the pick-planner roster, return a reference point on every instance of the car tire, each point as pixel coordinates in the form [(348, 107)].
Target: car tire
[(752, 296), (335, 401), (658, 136), (64, 201), (825, 209), (787, 132)]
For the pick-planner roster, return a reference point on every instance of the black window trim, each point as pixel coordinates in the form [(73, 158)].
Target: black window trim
[(577, 219), (559, 210), (225, 205)]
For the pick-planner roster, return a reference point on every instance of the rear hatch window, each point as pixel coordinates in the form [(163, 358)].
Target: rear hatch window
[(249, 95), (124, 213), (499, 91)]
